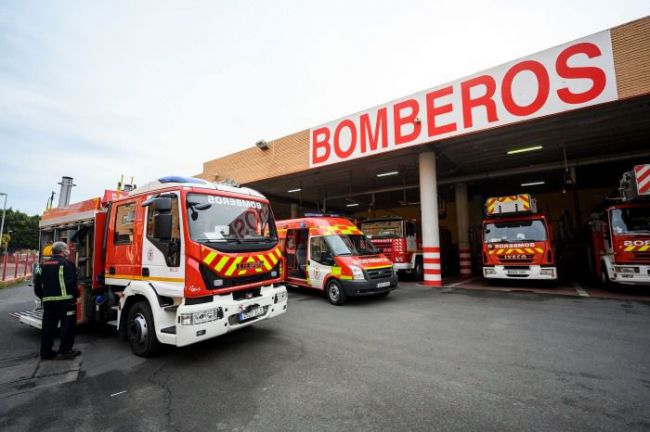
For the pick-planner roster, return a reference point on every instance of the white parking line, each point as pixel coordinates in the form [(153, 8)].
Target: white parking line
[(463, 282), (118, 393), (580, 290)]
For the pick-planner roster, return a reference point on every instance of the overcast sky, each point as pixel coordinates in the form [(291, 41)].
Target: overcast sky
[(93, 90)]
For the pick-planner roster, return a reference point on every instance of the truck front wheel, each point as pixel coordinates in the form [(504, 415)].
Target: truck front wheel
[(335, 293), (418, 271), (140, 330)]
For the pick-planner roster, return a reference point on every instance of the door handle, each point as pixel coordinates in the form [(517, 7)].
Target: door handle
[(145, 271)]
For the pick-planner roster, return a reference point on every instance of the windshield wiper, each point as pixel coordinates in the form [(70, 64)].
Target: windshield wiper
[(209, 240)]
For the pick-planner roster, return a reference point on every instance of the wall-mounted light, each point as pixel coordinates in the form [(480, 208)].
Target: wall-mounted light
[(524, 150), (352, 205), (294, 190), (535, 183), (262, 145), (389, 173)]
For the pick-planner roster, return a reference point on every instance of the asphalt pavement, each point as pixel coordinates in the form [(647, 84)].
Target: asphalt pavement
[(420, 359)]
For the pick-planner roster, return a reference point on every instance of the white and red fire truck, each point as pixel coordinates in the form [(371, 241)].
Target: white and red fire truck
[(517, 240), (620, 233), (398, 239), (176, 261)]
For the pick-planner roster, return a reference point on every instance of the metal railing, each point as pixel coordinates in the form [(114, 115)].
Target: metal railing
[(16, 266)]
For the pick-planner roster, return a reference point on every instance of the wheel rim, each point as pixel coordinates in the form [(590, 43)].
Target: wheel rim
[(139, 330), (334, 292)]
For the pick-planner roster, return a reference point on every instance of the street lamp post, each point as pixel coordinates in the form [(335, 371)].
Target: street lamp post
[(4, 210)]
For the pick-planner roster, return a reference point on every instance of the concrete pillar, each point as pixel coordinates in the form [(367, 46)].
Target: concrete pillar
[(462, 216), (430, 229), (294, 211)]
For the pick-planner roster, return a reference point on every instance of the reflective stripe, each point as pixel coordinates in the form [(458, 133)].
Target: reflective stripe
[(64, 292), (221, 263), (57, 298), (208, 259)]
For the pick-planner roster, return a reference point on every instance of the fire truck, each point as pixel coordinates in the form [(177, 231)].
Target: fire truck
[(397, 238), (331, 254), (516, 240), (176, 261), (620, 233)]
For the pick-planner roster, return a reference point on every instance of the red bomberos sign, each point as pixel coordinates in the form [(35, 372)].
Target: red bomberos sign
[(569, 76)]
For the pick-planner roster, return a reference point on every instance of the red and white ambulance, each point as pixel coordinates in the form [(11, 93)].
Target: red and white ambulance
[(333, 255), (517, 240), (620, 233), (176, 261)]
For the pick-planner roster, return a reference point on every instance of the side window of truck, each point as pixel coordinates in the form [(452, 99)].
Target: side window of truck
[(319, 252), (124, 220), (170, 248)]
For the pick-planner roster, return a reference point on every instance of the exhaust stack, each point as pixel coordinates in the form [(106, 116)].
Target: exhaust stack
[(66, 189)]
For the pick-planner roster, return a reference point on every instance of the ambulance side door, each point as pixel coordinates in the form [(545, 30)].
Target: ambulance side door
[(320, 261)]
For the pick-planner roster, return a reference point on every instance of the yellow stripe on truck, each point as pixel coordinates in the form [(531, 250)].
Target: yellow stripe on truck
[(233, 266), (208, 259)]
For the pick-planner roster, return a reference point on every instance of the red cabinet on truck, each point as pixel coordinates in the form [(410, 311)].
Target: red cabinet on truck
[(176, 261), (516, 240), (620, 233)]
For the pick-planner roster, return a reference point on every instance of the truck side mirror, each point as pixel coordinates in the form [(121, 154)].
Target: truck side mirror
[(162, 226), (162, 204)]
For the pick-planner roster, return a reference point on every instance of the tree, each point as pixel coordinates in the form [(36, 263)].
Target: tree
[(24, 230)]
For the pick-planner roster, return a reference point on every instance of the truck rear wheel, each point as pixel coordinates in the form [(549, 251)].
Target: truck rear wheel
[(140, 330), (335, 293), (418, 271)]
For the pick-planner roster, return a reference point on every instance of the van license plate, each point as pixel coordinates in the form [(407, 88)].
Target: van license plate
[(383, 284), (517, 272), (243, 316)]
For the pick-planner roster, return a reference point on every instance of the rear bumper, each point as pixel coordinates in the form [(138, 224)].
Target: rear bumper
[(641, 275), (272, 299), (527, 272), (360, 288)]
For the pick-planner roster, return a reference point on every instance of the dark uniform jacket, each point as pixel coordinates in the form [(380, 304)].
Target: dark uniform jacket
[(56, 280)]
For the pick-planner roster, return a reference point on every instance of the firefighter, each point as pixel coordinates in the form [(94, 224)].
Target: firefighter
[(55, 283)]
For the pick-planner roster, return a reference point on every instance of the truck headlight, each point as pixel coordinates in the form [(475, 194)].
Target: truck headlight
[(200, 317), (626, 269), (357, 273), (280, 297)]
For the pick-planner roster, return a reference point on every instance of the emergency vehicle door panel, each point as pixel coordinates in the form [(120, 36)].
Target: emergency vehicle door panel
[(162, 262), (320, 262), (124, 249)]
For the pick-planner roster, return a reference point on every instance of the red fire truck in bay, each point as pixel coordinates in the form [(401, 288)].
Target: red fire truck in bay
[(397, 238), (517, 240), (176, 261), (620, 233)]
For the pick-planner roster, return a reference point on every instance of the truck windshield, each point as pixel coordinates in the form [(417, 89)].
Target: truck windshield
[(350, 245), (631, 220), (383, 229), (217, 219), (514, 231)]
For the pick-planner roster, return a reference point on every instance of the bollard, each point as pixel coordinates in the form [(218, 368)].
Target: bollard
[(26, 264), (15, 265)]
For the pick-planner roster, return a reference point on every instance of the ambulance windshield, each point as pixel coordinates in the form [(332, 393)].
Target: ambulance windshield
[(631, 220), (514, 231), (350, 245), (217, 219)]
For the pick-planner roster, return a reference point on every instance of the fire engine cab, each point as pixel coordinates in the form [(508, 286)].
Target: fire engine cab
[(620, 233), (333, 255), (176, 261), (516, 240), (397, 238)]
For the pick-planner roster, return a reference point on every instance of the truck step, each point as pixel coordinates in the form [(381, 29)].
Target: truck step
[(170, 330), (171, 308), (112, 323), (33, 318)]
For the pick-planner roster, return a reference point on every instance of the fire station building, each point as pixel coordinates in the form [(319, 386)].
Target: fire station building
[(562, 124)]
